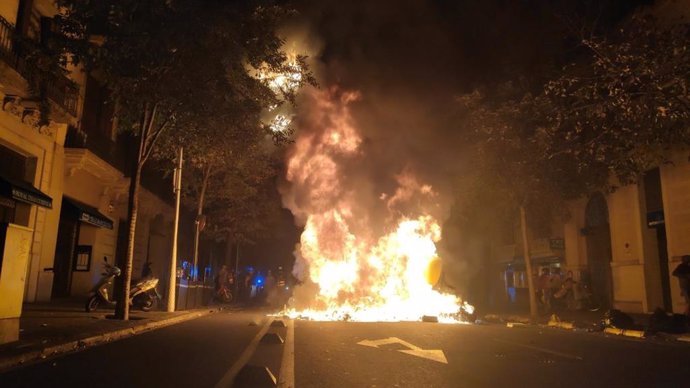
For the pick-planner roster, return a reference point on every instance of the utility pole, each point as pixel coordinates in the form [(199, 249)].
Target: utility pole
[(177, 188), (528, 265)]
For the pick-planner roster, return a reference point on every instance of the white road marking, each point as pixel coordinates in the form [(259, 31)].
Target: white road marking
[(543, 350), (287, 365), (429, 354), (229, 376)]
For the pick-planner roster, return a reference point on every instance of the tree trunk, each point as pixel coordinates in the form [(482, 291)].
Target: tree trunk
[(528, 264), (199, 213), (122, 307), (147, 141)]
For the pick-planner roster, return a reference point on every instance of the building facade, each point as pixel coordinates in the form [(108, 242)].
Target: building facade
[(633, 238), (63, 184), (624, 244)]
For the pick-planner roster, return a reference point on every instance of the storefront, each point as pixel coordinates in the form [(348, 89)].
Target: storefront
[(74, 248)]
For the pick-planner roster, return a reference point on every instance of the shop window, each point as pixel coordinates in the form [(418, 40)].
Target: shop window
[(82, 262)]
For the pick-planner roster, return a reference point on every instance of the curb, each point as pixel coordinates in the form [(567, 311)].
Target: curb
[(81, 344)]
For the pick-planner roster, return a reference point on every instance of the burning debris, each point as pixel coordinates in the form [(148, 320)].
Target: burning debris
[(363, 256)]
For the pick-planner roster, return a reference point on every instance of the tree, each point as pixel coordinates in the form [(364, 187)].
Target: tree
[(616, 112), (226, 159), (251, 210), (628, 103), (230, 152), (163, 60), (512, 173)]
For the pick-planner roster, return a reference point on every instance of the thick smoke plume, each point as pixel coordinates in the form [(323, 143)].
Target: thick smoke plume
[(391, 72)]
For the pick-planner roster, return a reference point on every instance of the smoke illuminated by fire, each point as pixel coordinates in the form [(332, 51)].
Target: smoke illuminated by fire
[(355, 266)]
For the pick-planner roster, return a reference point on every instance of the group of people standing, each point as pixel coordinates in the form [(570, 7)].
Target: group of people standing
[(252, 287), (556, 291)]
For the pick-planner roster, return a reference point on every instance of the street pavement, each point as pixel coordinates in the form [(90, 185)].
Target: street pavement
[(212, 349), (328, 355), (191, 354), (58, 326)]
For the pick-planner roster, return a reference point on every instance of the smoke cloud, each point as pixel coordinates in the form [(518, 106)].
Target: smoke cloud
[(406, 63)]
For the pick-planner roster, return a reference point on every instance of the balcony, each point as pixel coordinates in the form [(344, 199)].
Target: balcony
[(117, 154), (112, 152), (59, 89)]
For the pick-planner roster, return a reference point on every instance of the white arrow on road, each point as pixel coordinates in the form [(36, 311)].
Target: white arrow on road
[(430, 354)]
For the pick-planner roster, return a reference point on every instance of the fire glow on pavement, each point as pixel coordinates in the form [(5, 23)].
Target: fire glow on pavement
[(355, 267)]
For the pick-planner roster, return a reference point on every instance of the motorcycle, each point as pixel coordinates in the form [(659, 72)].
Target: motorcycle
[(142, 295)]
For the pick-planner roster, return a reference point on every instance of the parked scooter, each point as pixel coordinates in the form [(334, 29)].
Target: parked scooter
[(142, 295)]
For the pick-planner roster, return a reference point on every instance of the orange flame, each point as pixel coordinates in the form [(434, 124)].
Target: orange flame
[(359, 274)]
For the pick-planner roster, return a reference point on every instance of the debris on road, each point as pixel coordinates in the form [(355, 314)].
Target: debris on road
[(555, 321), (625, 332)]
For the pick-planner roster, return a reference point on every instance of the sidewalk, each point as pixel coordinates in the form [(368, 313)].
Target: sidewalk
[(585, 321), (48, 329)]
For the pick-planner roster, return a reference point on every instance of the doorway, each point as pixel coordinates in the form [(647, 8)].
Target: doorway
[(67, 238), (599, 255), (655, 219)]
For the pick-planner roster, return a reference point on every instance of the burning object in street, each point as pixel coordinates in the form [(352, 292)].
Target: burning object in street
[(363, 255)]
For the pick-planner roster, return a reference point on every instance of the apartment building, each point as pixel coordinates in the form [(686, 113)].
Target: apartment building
[(63, 183)]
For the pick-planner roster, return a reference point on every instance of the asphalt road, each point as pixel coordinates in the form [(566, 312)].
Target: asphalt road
[(195, 353), (209, 350), (328, 355)]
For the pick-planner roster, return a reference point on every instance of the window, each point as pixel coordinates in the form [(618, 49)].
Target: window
[(97, 118), (82, 263)]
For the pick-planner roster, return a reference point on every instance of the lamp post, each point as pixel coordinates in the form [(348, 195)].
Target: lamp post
[(177, 187)]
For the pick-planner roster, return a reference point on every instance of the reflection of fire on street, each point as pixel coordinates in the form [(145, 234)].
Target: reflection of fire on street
[(353, 265)]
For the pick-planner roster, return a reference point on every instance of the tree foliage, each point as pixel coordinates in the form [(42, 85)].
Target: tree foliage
[(628, 103), (171, 65), (511, 165), (615, 113)]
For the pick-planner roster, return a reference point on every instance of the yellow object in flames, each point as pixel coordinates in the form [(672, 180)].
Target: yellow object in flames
[(433, 271)]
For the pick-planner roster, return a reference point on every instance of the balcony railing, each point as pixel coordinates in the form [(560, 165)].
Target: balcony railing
[(59, 89)]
